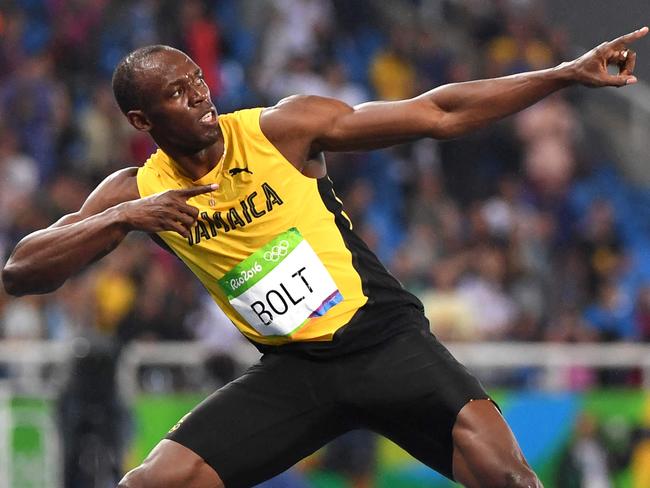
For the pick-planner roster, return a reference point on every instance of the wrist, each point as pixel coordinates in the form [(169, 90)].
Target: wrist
[(121, 217), (565, 73)]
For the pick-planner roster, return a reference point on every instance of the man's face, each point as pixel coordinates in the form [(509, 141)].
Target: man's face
[(176, 102)]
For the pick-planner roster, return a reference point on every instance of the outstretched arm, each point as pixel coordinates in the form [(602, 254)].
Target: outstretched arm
[(448, 111), (45, 259)]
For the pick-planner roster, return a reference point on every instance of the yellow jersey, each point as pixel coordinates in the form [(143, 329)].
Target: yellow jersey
[(274, 247)]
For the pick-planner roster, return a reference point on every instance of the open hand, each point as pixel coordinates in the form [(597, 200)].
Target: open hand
[(590, 69), (167, 210)]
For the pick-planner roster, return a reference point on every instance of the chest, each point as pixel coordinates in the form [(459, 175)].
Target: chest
[(243, 211)]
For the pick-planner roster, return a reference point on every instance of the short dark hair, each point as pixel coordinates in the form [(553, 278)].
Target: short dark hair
[(126, 89)]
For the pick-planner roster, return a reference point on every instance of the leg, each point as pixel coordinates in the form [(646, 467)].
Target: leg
[(171, 465), (486, 450), (250, 430), (415, 393)]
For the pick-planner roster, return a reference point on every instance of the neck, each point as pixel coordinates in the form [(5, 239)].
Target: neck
[(195, 165)]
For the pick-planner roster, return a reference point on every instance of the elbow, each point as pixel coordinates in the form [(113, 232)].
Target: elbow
[(446, 126), (441, 135), (17, 282), (444, 133), (11, 281), (450, 125)]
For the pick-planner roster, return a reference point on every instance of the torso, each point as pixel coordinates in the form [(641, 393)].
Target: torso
[(273, 246)]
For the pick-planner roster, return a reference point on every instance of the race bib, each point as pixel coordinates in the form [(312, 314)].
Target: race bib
[(281, 286)]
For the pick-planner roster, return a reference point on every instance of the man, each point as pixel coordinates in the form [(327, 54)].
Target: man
[(243, 199)]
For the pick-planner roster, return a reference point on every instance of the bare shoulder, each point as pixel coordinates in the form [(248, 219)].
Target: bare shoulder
[(307, 115), (121, 185), (296, 124)]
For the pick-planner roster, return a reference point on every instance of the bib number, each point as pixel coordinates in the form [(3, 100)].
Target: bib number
[(282, 285)]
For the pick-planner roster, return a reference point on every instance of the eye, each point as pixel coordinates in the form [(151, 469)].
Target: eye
[(199, 80), (176, 93)]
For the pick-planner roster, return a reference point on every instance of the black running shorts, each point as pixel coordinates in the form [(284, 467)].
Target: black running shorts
[(409, 389)]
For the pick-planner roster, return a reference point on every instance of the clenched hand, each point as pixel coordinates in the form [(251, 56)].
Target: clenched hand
[(165, 211)]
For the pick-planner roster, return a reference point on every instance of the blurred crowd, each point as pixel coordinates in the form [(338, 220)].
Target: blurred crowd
[(521, 232)]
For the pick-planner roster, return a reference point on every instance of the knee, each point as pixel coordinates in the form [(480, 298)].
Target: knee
[(146, 476), (498, 474), (522, 479), (133, 479), (486, 453), (171, 475), (517, 477)]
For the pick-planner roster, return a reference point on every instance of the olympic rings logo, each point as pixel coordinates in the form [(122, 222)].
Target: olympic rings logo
[(277, 252)]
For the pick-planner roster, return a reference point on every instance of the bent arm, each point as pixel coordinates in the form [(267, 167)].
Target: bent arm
[(45, 259)]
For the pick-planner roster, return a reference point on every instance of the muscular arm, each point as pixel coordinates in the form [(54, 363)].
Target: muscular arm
[(303, 126), (42, 261), (45, 259)]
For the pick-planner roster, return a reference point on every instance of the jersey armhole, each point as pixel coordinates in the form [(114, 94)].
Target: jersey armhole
[(140, 179)]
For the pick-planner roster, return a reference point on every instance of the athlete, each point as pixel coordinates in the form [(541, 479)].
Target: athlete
[(244, 200)]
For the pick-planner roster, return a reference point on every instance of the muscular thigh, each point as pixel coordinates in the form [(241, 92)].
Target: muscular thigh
[(411, 391), (264, 422)]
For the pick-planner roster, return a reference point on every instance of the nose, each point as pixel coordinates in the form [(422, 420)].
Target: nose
[(199, 94)]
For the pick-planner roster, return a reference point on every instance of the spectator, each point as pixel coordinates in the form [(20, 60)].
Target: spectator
[(490, 230), (338, 86), (391, 71), (299, 77), (519, 49), (585, 463), (493, 310), (31, 98), (74, 24), (18, 176), (600, 245), (23, 319), (642, 314), (105, 135), (202, 42), (641, 456), (611, 314), (293, 30), (450, 315), (433, 63)]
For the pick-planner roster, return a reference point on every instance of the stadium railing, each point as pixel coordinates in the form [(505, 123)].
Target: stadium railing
[(41, 366)]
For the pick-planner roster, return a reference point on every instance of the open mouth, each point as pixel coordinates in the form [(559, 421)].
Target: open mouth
[(209, 118)]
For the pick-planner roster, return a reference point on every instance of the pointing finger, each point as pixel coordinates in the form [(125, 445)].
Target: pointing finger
[(631, 37), (197, 190)]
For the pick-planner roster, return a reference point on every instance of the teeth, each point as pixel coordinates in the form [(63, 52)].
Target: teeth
[(207, 117)]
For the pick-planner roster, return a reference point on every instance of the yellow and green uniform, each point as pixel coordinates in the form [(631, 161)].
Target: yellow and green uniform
[(275, 249)]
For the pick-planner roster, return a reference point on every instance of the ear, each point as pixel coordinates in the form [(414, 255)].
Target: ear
[(139, 120)]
